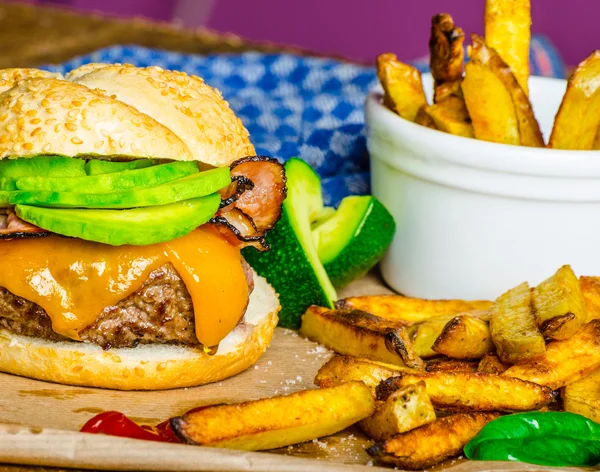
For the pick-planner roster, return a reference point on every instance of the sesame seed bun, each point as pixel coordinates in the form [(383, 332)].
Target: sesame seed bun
[(118, 111)]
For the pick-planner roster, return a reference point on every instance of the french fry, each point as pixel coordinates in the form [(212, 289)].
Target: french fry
[(450, 365), (583, 397), (507, 30), (566, 361), (528, 129), (464, 337), (343, 369), (468, 391), (404, 410), (451, 116), (424, 119), (360, 334), (275, 422), (410, 310), (490, 364), (446, 50), (403, 89), (490, 105), (559, 305), (577, 122), (513, 327), (426, 446), (590, 288), (424, 334)]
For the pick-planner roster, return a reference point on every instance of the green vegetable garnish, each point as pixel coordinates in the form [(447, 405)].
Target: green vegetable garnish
[(544, 438)]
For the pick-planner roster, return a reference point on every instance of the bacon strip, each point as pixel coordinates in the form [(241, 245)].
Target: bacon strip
[(246, 215), (11, 226)]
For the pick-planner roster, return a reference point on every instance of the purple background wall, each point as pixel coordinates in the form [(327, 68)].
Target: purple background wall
[(359, 29)]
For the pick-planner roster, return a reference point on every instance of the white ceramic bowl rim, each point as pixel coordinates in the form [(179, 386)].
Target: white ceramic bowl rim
[(482, 155)]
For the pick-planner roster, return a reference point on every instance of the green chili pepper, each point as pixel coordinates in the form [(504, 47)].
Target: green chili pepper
[(552, 438)]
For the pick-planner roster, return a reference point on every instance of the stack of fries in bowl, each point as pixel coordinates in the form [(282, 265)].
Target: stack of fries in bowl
[(440, 370), (488, 173)]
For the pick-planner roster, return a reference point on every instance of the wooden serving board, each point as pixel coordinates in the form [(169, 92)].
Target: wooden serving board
[(289, 365)]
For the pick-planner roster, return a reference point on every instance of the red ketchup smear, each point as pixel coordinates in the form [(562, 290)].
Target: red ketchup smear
[(114, 423)]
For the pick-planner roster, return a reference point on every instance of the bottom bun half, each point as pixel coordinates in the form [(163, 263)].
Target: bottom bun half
[(148, 366)]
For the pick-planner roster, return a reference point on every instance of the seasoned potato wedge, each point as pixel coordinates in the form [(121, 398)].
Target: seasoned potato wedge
[(528, 131), (566, 361), (426, 446), (402, 86), (342, 369), (450, 115), (590, 288), (513, 328), (424, 119), (360, 334), (450, 365), (411, 310), (559, 305), (464, 337), (596, 145), (490, 104), (468, 391), (405, 409), (446, 50), (577, 122), (424, 334), (583, 397), (490, 364), (507, 30), (276, 422)]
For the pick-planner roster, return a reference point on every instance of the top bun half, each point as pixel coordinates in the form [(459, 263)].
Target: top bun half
[(115, 112)]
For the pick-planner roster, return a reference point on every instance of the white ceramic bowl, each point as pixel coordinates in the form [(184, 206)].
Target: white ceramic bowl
[(476, 218)]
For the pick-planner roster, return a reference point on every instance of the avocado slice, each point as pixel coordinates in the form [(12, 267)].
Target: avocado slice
[(98, 166), (104, 183), (354, 238), (4, 199), (7, 183), (292, 265), (193, 186), (140, 226), (42, 166)]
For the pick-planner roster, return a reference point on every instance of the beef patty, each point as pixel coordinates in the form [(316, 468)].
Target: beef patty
[(160, 312)]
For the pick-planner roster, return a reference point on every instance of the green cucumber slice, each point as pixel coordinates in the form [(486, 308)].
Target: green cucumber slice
[(104, 183), (98, 166), (42, 166), (292, 265), (140, 227), (186, 188), (352, 240)]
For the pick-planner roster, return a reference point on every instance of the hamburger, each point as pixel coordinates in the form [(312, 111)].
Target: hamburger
[(126, 196)]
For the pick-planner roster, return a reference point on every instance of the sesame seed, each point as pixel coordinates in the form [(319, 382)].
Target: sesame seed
[(31, 113), (122, 142), (71, 126), (58, 127), (17, 147), (11, 128), (36, 131), (45, 103), (28, 146), (35, 121), (76, 103), (47, 147), (51, 111), (76, 141), (94, 102), (73, 113), (99, 144), (49, 121), (164, 93)]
